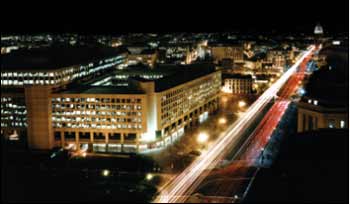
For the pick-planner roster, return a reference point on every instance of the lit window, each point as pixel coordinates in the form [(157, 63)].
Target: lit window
[(342, 124)]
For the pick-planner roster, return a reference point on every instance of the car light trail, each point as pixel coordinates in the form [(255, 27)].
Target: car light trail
[(194, 174)]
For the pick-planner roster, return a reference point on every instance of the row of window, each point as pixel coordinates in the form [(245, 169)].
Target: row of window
[(97, 107), (88, 119), (22, 78), (97, 100), (97, 126), (94, 113)]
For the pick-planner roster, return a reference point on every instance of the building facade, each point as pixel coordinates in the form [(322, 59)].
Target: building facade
[(234, 52), (314, 114), (238, 84), (28, 78), (81, 107)]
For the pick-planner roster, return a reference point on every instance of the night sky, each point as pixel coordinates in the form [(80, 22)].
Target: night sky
[(181, 16)]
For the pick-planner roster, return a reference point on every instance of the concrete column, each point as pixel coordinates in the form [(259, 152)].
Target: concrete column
[(138, 142), (62, 138), (300, 122), (315, 124), (92, 136), (106, 137), (122, 141), (77, 140)]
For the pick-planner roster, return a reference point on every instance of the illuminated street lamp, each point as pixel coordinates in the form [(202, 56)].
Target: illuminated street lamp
[(222, 121), (105, 173), (241, 104), (149, 177), (202, 138)]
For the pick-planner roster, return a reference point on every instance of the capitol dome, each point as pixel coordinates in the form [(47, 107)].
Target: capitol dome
[(318, 30)]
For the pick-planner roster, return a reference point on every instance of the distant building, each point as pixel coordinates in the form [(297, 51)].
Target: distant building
[(221, 51), (318, 29), (238, 84), (145, 56)]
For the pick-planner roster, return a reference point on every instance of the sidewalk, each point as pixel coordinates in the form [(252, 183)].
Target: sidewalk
[(271, 150)]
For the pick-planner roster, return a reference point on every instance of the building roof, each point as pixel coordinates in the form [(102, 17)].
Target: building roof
[(184, 74), (236, 76), (54, 57), (86, 89), (148, 52)]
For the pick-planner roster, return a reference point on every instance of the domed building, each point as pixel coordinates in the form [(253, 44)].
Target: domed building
[(318, 29)]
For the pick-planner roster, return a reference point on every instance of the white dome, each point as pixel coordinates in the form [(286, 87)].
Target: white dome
[(318, 29)]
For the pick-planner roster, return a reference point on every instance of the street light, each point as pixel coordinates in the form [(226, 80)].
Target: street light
[(241, 104), (149, 177), (202, 137), (105, 173), (222, 121)]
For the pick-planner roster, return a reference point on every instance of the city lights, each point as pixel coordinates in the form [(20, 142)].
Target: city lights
[(172, 117), (241, 104), (202, 137), (105, 173), (222, 121), (149, 176)]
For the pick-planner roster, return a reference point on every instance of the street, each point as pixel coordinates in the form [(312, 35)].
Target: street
[(191, 177)]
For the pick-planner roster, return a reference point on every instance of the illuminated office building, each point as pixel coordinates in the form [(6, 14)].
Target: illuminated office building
[(90, 103), (238, 84), (29, 77), (143, 115)]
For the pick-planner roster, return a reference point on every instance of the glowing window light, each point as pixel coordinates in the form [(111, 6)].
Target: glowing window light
[(342, 124)]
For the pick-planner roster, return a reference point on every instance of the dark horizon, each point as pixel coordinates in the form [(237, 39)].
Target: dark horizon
[(286, 17)]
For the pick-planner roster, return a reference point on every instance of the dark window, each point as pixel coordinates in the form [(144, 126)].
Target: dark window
[(158, 134), (316, 123), (69, 135), (85, 135), (310, 123), (57, 135), (114, 136), (130, 136), (99, 136)]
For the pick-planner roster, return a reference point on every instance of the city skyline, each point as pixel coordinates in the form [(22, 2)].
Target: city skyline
[(180, 103)]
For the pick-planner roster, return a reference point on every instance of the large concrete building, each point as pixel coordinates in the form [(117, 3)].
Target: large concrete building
[(29, 77), (106, 112)]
